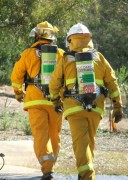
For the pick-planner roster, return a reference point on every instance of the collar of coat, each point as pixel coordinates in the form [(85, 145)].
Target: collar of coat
[(41, 42)]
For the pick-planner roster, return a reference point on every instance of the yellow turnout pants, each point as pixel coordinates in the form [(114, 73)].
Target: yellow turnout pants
[(46, 126), (83, 126)]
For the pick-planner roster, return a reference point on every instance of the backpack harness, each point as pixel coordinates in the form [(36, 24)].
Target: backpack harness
[(48, 55), (85, 90)]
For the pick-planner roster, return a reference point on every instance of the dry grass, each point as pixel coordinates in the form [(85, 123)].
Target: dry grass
[(111, 153)]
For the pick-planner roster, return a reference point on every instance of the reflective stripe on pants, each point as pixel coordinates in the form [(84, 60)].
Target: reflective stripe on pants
[(46, 126), (83, 126), (46, 157)]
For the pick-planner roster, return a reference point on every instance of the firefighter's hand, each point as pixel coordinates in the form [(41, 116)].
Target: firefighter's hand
[(117, 114), (58, 105), (19, 96)]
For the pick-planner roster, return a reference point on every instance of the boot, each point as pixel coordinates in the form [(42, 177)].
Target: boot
[(79, 177), (47, 176)]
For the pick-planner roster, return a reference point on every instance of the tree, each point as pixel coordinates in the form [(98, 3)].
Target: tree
[(106, 20), (14, 25)]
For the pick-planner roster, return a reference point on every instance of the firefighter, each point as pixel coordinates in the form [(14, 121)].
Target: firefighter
[(31, 68), (87, 77)]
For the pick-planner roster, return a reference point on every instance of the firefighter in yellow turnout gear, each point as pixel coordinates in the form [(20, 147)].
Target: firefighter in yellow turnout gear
[(44, 121), (83, 105)]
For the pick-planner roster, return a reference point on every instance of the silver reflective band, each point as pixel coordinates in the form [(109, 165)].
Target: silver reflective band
[(46, 157), (71, 58), (97, 90)]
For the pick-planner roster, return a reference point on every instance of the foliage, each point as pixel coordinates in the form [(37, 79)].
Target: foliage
[(25, 127), (122, 75), (107, 21), (110, 29), (5, 121), (14, 121)]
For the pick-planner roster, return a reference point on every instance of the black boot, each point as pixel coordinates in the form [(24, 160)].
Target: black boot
[(47, 176), (79, 177)]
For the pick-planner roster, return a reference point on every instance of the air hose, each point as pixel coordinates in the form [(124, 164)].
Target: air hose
[(2, 156)]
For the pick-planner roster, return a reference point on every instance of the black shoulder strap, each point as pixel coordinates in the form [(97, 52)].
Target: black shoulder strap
[(38, 46), (27, 79), (72, 53)]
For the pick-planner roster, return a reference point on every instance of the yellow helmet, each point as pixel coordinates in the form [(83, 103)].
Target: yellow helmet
[(44, 30)]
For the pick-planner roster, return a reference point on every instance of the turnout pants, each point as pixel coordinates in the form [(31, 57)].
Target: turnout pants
[(46, 126), (83, 126)]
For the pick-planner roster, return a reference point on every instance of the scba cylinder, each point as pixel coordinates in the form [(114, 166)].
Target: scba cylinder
[(48, 62), (85, 72), (86, 78)]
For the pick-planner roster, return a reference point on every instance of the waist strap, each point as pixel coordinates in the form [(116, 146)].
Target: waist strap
[(74, 92), (37, 82), (86, 99)]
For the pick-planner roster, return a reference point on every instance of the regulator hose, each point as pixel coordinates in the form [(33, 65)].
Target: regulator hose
[(2, 156)]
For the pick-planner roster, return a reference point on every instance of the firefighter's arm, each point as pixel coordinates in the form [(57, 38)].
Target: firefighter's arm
[(60, 54), (114, 91), (55, 86), (17, 78), (19, 96), (117, 109)]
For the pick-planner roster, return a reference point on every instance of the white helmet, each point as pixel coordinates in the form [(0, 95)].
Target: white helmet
[(77, 29)]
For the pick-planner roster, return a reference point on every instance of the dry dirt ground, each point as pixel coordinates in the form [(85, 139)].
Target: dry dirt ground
[(111, 150)]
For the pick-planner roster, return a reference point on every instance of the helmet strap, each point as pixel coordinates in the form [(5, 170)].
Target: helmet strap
[(37, 38)]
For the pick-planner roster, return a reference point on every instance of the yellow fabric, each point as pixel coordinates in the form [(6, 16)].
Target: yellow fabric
[(30, 62), (46, 127), (70, 81), (83, 126), (72, 110), (115, 94), (104, 75), (73, 80), (17, 86), (85, 167), (37, 102), (79, 41), (44, 121)]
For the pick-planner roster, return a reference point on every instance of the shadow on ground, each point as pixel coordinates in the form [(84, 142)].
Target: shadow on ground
[(24, 173)]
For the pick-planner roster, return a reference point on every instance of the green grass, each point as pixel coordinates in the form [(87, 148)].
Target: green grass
[(14, 120)]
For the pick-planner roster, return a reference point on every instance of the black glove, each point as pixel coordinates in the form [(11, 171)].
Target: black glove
[(117, 109), (117, 114), (58, 105)]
